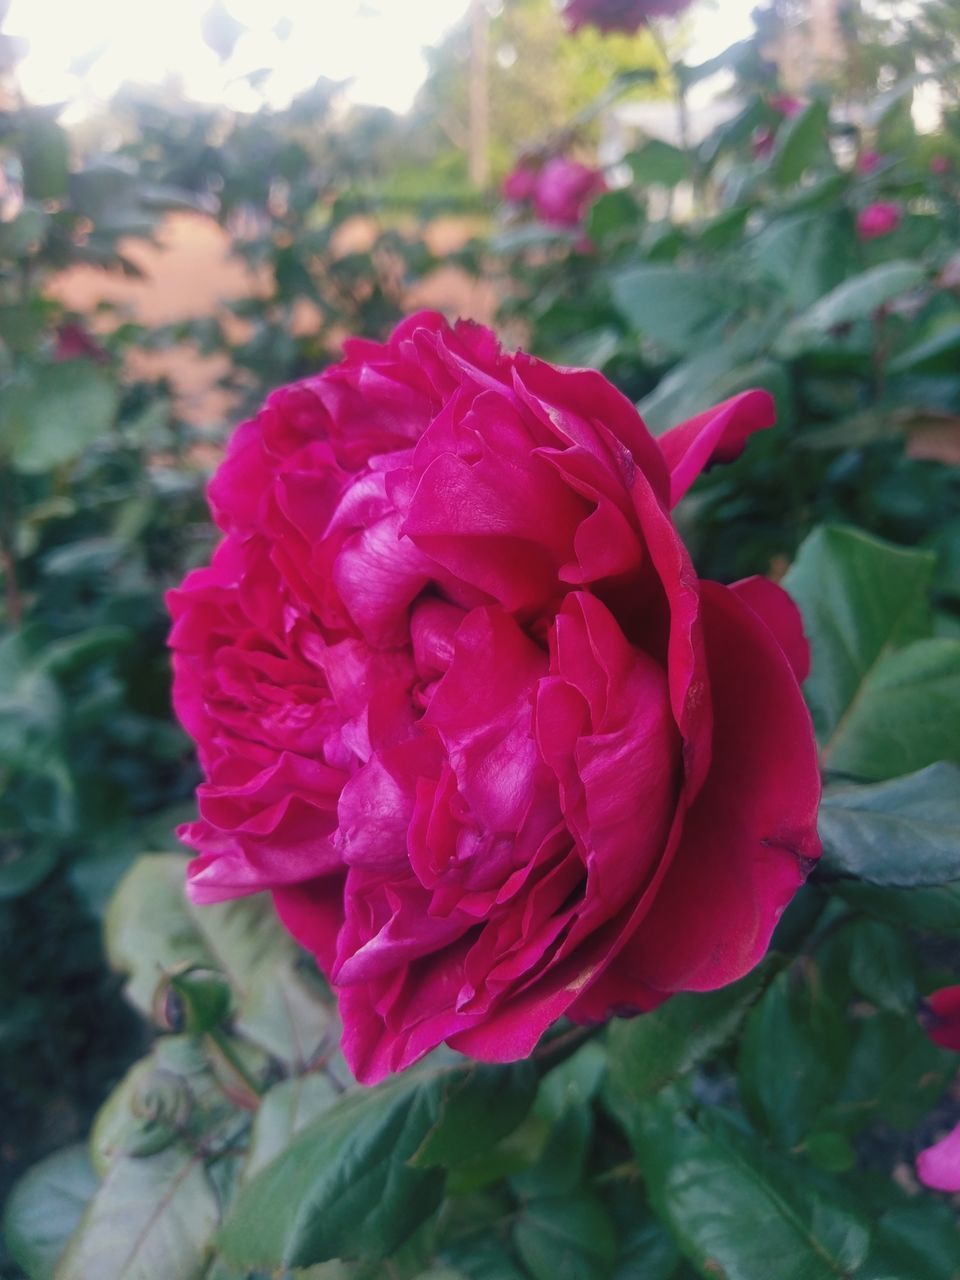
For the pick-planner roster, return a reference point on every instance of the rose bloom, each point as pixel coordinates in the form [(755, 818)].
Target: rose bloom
[(869, 162), (786, 105), (565, 190), (465, 709), (520, 184), (626, 16), (878, 220)]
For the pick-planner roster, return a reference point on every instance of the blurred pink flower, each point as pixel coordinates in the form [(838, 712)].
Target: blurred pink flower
[(565, 190), (762, 143), (939, 1166), (74, 343), (879, 219), (618, 15), (869, 161), (939, 165), (786, 105), (520, 183)]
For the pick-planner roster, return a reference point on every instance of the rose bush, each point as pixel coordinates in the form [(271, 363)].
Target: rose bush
[(464, 707)]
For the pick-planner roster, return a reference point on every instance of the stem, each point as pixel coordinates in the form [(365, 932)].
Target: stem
[(232, 1058)]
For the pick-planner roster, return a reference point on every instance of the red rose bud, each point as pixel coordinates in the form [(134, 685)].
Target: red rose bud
[(878, 220), (465, 708), (940, 1017), (626, 16)]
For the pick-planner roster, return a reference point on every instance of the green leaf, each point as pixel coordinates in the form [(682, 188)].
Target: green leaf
[(649, 1052), (44, 1208), (153, 930), (344, 1188), (151, 1217), (566, 1238), (660, 164), (904, 833), (45, 156), (670, 305), (615, 214), (22, 235), (483, 1106), (860, 598), (735, 1208), (883, 967), (906, 714), (51, 416), (856, 299), (801, 143), (933, 910), (937, 353), (793, 1054), (895, 1075), (822, 243), (149, 930), (286, 1109), (921, 1241)]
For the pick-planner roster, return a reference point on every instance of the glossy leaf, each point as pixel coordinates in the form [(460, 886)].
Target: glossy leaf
[(566, 1238), (651, 1051), (904, 833), (860, 598), (734, 1207), (906, 715), (793, 1055), (480, 1107), (344, 1188)]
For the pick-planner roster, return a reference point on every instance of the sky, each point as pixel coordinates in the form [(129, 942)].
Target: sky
[(80, 53)]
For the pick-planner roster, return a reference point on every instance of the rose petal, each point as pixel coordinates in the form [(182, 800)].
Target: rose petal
[(719, 435), (938, 1167)]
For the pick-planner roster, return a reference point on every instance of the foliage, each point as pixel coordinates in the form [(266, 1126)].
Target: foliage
[(777, 1119)]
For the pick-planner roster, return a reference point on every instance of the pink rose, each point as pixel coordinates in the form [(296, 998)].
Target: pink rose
[(938, 1167), (878, 220), (465, 708), (618, 15), (786, 105), (869, 162), (520, 184), (565, 189), (74, 343)]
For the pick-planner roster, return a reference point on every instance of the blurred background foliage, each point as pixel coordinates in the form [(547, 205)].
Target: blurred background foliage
[(725, 254)]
